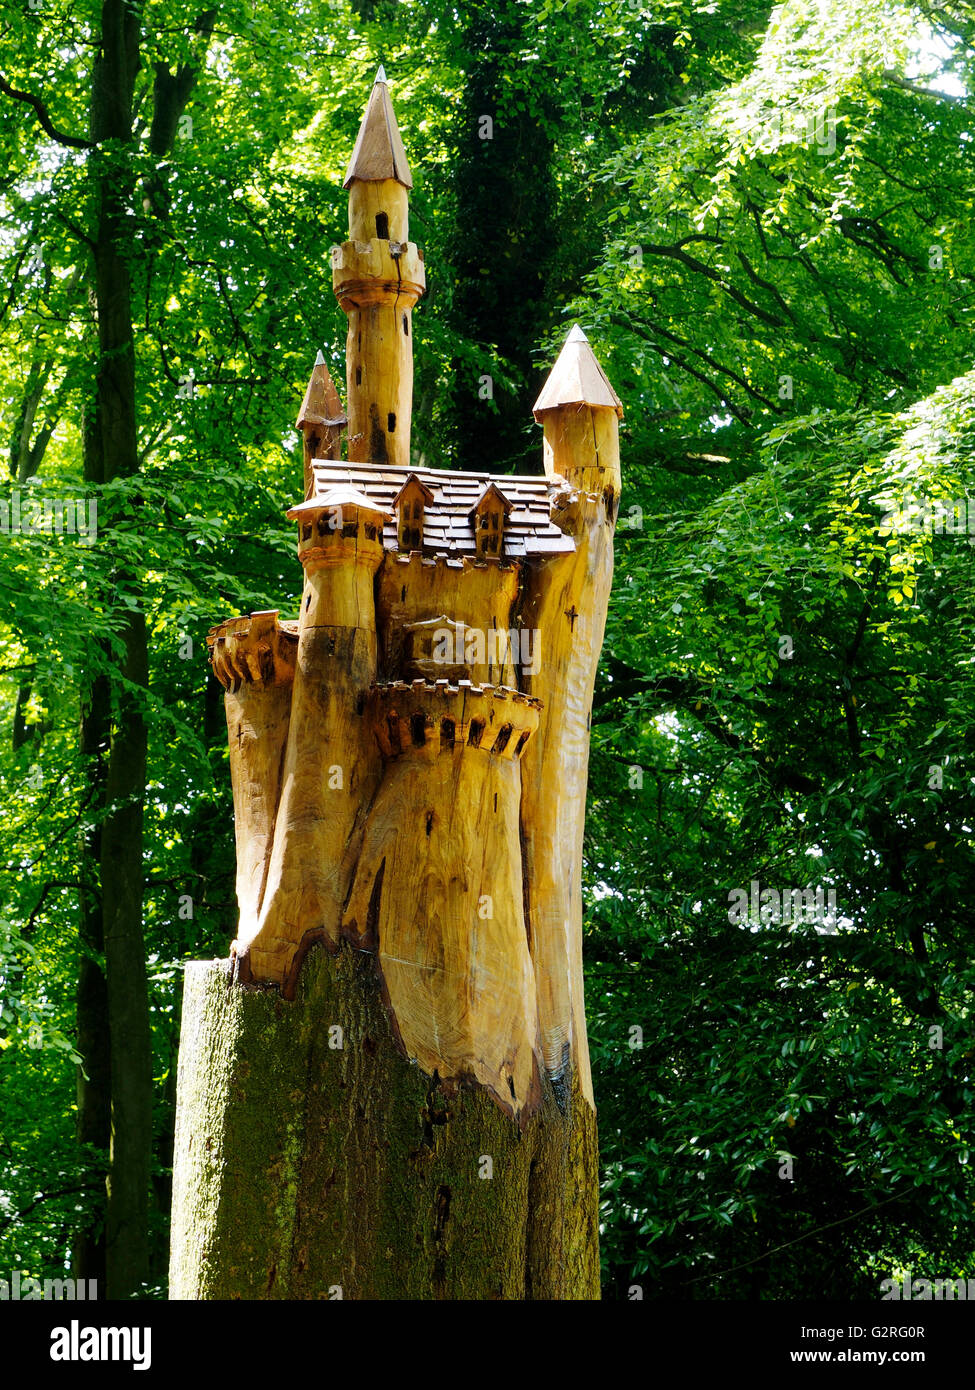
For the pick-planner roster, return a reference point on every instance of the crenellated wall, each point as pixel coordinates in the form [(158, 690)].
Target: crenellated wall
[(439, 889), (415, 589)]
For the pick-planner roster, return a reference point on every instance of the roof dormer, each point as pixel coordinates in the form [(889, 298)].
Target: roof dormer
[(409, 504), (488, 516)]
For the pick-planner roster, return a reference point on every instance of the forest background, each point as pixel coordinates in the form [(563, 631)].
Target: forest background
[(762, 218)]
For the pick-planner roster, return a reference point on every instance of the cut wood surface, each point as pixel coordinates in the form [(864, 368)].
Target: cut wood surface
[(372, 803)]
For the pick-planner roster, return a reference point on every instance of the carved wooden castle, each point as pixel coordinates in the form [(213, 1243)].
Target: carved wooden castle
[(409, 757)]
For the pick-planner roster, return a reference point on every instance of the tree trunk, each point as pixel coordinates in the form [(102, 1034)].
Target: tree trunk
[(312, 1163), (93, 1125), (127, 1215), (112, 452), (506, 233), (112, 866)]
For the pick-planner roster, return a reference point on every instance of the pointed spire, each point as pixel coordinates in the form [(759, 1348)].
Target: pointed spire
[(321, 420), (321, 404), (379, 152), (577, 379)]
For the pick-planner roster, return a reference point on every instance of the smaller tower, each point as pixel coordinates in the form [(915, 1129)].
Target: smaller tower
[(580, 414), (340, 546), (378, 276), (321, 420)]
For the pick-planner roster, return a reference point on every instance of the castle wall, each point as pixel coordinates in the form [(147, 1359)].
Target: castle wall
[(417, 589), (438, 890)]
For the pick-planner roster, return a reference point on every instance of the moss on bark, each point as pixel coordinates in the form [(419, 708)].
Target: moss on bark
[(303, 1169)]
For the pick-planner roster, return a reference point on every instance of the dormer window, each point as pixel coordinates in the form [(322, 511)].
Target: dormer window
[(410, 503), (488, 518), (411, 525)]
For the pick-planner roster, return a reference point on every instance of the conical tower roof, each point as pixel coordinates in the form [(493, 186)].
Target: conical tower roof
[(342, 495), (379, 152), (321, 403), (577, 379)]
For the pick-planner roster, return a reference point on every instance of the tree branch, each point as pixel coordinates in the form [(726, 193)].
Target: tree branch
[(692, 697), (47, 1197), (73, 142), (920, 91)]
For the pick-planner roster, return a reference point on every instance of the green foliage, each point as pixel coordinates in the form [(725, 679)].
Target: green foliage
[(789, 670)]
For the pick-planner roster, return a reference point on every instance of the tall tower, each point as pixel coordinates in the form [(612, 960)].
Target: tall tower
[(378, 276), (568, 600)]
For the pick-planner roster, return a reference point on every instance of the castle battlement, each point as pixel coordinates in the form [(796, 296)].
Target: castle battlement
[(453, 562), (368, 272), (448, 717), (255, 649)]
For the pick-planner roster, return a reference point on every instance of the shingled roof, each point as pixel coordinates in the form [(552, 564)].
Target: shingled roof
[(528, 531)]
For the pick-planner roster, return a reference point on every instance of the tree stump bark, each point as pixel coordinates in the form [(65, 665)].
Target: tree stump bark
[(313, 1163)]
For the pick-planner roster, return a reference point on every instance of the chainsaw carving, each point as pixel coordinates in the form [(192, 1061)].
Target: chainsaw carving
[(409, 758)]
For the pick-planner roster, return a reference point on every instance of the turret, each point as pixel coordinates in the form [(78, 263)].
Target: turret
[(580, 413), (340, 546), (378, 177), (378, 276), (321, 420)]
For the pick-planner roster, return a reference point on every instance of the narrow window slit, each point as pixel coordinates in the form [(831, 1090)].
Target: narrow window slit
[(382, 226), (501, 742), (418, 730), (448, 733), (391, 422), (475, 732)]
